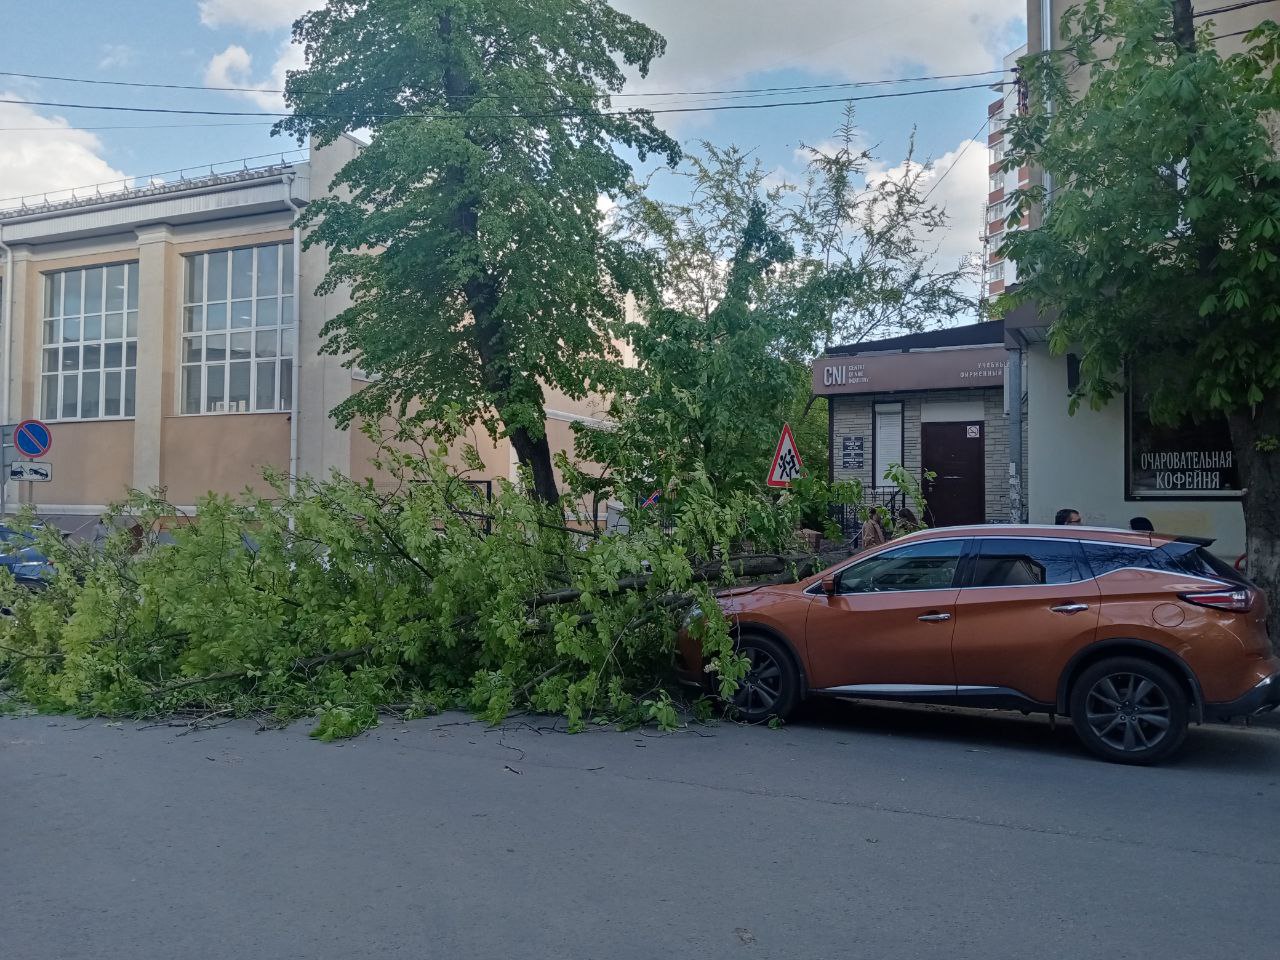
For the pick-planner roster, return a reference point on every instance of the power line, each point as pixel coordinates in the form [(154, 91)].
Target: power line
[(800, 88), (505, 116), (145, 126), (1230, 7), (963, 150)]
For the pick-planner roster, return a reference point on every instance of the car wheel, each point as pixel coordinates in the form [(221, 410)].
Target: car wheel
[(772, 684), (1129, 710)]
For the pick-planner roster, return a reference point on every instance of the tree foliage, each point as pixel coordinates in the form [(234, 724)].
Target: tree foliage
[(1162, 237), (468, 230), (342, 598), (749, 276), (1160, 248)]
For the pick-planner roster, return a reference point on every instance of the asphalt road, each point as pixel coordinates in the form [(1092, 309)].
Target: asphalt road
[(860, 832)]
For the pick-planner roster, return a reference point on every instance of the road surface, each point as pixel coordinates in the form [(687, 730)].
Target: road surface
[(860, 832)]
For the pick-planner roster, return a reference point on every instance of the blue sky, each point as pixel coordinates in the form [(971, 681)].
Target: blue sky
[(712, 44)]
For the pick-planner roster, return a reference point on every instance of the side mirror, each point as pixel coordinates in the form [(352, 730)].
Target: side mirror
[(829, 586)]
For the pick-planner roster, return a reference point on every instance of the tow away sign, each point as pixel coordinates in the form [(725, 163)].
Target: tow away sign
[(31, 471), (786, 460)]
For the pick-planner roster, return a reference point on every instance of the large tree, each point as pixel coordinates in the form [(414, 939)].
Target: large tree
[(1160, 245), (750, 274), (469, 230)]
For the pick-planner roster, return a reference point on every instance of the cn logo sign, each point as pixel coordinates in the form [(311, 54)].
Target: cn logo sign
[(787, 464)]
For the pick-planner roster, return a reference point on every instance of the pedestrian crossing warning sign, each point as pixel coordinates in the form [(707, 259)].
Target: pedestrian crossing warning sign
[(786, 460)]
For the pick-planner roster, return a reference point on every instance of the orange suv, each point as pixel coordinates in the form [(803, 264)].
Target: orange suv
[(1130, 634)]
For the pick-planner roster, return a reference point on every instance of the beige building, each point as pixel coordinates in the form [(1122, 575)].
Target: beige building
[(170, 335)]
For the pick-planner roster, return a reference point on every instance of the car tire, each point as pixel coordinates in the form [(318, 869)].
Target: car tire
[(1129, 710), (771, 687)]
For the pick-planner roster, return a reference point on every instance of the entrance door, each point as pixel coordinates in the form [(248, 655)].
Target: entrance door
[(955, 453)]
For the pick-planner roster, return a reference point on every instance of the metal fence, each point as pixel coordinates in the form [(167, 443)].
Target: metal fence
[(849, 517)]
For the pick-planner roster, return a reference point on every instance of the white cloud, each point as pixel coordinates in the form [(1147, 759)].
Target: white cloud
[(41, 155), (254, 14), (233, 67), (710, 42), (116, 55), (962, 193)]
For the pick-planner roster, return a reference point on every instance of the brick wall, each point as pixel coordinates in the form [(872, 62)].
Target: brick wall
[(853, 416)]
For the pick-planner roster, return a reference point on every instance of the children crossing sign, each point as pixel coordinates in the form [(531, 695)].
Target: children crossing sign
[(786, 460)]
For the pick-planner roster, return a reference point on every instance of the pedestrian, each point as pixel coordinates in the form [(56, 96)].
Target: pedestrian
[(1066, 516), (1142, 525), (872, 533)]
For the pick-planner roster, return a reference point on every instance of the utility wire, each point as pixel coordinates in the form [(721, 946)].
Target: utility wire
[(504, 116), (1230, 7), (801, 88), (963, 150)]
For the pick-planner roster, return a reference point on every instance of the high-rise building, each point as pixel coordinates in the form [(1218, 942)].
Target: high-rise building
[(997, 273)]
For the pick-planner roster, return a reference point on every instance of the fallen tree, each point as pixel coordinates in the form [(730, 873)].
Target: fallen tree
[(342, 597)]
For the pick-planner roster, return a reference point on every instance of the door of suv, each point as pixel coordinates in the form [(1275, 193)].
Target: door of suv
[(1026, 605), (889, 622)]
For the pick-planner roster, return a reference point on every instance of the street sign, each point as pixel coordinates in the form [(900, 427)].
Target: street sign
[(32, 439), (31, 471), (786, 460)]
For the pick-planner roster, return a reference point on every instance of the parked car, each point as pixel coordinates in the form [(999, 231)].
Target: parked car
[(20, 556), (1129, 634)]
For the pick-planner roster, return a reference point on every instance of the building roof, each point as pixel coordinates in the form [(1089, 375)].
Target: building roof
[(970, 335)]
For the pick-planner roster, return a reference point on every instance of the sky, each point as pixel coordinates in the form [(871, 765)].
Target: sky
[(711, 45)]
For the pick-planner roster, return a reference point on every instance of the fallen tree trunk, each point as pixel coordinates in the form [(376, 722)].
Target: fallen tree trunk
[(790, 567)]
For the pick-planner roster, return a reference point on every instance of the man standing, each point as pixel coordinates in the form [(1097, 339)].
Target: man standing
[(1066, 516)]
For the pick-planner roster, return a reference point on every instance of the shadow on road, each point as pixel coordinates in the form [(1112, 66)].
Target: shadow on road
[(1213, 746)]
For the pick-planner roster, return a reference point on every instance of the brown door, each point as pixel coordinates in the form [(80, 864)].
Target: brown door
[(955, 453), (888, 627)]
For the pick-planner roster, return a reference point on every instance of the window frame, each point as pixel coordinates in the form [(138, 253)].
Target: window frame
[(1083, 570), (285, 329), (1148, 496), (101, 342), (891, 547), (877, 476)]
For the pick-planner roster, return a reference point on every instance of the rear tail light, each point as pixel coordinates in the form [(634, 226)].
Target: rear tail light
[(1238, 600)]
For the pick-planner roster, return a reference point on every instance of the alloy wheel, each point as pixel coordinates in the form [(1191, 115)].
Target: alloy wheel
[(1128, 712), (759, 691)]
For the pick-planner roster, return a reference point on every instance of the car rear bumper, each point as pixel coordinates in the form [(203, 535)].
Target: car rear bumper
[(1263, 697)]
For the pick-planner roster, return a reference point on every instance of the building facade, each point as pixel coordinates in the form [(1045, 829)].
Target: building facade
[(170, 335), (935, 404), (999, 274)]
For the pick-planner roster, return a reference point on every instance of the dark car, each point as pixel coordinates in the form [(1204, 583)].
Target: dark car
[(22, 558)]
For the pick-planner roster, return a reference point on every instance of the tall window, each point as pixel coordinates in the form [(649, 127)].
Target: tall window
[(238, 333), (888, 440), (90, 357)]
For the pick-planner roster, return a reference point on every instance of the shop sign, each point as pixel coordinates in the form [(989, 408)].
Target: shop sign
[(915, 370)]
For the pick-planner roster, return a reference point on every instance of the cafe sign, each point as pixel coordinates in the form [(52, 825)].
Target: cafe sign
[(916, 370)]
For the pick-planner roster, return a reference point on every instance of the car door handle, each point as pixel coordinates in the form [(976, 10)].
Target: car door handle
[(934, 618), (1070, 608)]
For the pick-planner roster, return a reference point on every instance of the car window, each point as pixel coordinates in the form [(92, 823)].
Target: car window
[(930, 565), (1025, 562), (1105, 557)]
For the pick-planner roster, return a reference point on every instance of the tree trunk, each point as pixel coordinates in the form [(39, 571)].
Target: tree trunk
[(1254, 434), (535, 454), (481, 292)]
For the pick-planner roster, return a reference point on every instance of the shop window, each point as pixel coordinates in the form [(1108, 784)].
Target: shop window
[(1192, 460), (89, 358), (238, 334)]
